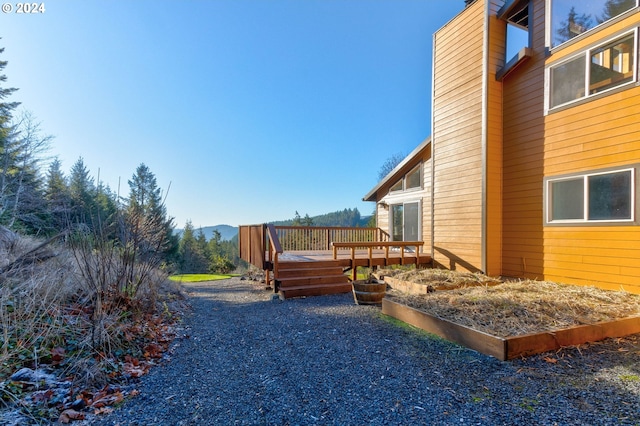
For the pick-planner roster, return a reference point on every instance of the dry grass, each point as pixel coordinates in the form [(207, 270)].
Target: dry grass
[(513, 308), (51, 314)]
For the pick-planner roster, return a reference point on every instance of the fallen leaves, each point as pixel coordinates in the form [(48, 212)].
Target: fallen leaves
[(68, 415)]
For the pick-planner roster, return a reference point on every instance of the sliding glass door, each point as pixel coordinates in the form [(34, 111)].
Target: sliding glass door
[(405, 222)]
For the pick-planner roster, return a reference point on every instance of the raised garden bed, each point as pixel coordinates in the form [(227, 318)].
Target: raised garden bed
[(508, 320)]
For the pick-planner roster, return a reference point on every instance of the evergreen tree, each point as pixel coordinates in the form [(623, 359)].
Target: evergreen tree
[(57, 197), (148, 226), (6, 108), (192, 259), (81, 191), (23, 206), (105, 207)]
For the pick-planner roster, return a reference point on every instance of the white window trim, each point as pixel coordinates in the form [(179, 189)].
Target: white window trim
[(403, 179), (587, 55), (548, 30), (404, 203), (548, 204)]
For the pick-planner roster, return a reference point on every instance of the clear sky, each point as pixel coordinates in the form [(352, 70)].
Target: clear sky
[(245, 110)]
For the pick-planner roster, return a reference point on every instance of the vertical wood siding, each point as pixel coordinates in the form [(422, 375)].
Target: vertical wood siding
[(457, 139)]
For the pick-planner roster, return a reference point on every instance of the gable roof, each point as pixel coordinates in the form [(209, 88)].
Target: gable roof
[(397, 170)]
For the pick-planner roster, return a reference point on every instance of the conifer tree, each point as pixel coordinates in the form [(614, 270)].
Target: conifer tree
[(81, 191)]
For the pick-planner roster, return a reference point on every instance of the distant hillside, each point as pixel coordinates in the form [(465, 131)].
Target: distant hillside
[(346, 217), (227, 232)]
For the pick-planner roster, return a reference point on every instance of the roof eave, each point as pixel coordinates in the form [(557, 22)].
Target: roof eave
[(371, 195)]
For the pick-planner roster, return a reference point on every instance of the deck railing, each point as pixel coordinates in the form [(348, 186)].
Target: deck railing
[(261, 244), (312, 238), (252, 244)]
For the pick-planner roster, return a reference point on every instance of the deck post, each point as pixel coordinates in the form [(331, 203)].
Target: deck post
[(275, 272), (354, 268)]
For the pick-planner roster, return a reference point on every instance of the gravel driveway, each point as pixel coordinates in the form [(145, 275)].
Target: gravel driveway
[(246, 359)]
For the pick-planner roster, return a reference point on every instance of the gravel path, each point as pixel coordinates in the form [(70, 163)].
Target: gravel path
[(246, 359)]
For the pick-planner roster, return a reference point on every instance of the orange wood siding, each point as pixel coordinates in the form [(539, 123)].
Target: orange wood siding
[(457, 139), (523, 144), (590, 135), (494, 161), (596, 134)]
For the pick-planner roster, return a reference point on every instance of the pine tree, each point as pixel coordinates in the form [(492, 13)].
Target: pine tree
[(192, 259), (81, 191), (6, 108), (148, 226), (57, 197), (23, 206)]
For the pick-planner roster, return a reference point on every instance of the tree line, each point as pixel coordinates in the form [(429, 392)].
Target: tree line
[(37, 198)]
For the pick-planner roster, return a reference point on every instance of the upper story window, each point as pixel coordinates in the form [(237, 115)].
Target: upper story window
[(593, 71), (412, 180), (570, 18)]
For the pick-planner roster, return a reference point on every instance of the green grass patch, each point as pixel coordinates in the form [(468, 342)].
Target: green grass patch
[(196, 278)]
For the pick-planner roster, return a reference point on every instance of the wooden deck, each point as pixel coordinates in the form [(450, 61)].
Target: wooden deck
[(321, 269), (312, 273)]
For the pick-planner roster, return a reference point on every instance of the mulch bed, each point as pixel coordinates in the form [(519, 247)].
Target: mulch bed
[(511, 308)]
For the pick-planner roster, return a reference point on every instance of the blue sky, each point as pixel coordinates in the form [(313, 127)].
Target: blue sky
[(245, 110)]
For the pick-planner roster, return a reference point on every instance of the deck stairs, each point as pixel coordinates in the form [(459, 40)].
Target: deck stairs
[(298, 279)]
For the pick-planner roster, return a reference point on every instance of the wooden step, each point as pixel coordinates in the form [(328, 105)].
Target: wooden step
[(315, 290), (307, 265), (312, 280), (308, 272)]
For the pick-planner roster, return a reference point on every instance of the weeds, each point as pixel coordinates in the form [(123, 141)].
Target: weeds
[(85, 310)]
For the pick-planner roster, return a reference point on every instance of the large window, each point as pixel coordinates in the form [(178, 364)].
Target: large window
[(594, 71), (570, 18), (596, 197)]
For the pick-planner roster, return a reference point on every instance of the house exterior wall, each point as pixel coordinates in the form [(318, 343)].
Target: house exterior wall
[(385, 198), (523, 151), (494, 145), (587, 136), (467, 140), (595, 134), (493, 149)]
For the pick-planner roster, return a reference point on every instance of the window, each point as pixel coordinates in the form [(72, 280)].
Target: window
[(412, 180), (570, 18), (606, 196), (593, 71), (611, 65), (397, 186), (405, 222)]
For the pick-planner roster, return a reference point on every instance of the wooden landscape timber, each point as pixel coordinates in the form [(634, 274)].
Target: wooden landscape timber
[(514, 346)]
